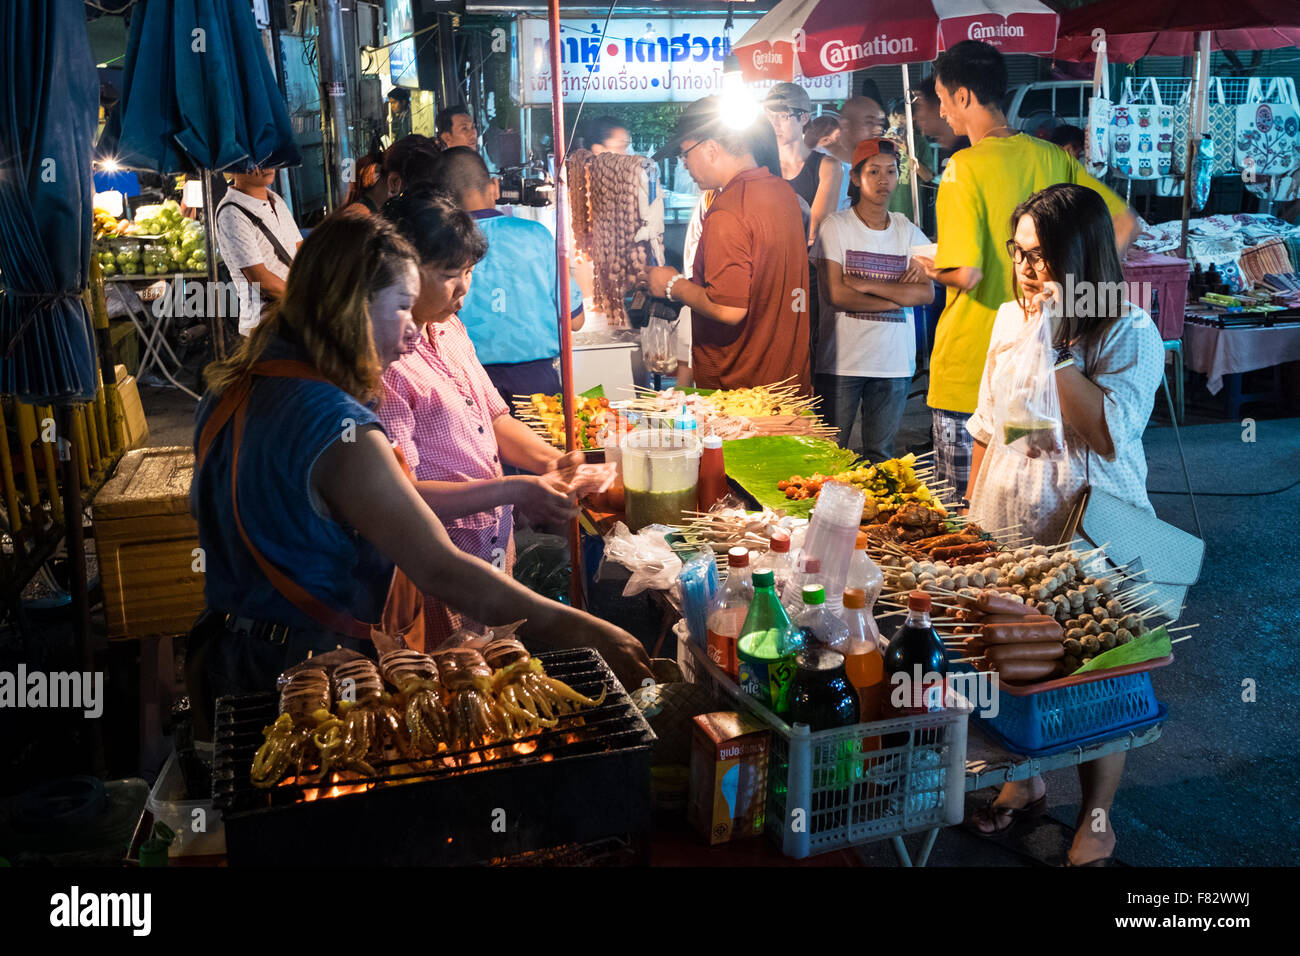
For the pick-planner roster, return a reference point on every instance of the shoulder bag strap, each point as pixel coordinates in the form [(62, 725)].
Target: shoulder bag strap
[(232, 410), (280, 252)]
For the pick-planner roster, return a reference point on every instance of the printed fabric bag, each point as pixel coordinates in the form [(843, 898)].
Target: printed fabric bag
[(1265, 138), (1097, 135), (1142, 134)]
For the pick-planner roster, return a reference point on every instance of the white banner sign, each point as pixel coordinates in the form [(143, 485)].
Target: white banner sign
[(673, 60)]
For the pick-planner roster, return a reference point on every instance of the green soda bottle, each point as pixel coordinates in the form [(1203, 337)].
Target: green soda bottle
[(767, 647)]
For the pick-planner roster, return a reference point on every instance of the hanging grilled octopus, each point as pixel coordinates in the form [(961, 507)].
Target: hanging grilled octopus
[(523, 690), (365, 726), (304, 706), (415, 675)]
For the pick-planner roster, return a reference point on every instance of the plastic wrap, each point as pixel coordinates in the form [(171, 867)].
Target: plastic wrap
[(646, 554), (698, 581)]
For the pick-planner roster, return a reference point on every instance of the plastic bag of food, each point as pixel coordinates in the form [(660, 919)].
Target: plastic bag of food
[(659, 345), (1026, 406), (646, 554)]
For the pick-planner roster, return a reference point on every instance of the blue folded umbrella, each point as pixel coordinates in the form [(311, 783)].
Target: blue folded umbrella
[(49, 100)]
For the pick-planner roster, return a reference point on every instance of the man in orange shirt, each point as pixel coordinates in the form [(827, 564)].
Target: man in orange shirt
[(748, 291)]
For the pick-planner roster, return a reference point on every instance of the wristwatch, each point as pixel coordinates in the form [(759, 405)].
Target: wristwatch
[(668, 289), (1064, 358)]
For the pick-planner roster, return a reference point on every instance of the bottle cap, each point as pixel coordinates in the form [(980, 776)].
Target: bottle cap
[(918, 601), (863, 541), (781, 542), (810, 565), (855, 598), (738, 558), (814, 594), (763, 579), (712, 441)]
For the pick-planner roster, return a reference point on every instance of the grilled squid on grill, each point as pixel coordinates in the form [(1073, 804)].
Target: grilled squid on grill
[(524, 690), (304, 705), (415, 675), (366, 723), (476, 717)]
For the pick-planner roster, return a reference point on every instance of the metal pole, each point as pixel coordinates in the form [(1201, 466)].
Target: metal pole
[(215, 322), (911, 146), (1198, 105), (333, 92), (75, 538), (448, 72), (562, 282)]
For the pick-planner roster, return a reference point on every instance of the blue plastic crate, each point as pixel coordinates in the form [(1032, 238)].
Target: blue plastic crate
[(1055, 719)]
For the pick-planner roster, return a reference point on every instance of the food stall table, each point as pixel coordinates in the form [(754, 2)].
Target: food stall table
[(151, 327), (1219, 353)]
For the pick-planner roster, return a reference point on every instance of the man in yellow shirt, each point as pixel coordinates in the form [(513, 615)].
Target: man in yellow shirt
[(980, 189)]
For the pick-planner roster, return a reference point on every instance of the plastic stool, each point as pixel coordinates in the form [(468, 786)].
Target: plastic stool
[(1176, 406)]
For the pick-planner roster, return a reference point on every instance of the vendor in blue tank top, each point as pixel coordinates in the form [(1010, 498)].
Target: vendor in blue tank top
[(300, 558)]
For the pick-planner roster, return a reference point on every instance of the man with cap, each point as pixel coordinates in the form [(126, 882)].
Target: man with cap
[(815, 177), (865, 355), (748, 293)]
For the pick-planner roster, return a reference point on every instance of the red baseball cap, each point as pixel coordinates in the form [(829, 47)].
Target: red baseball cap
[(873, 147)]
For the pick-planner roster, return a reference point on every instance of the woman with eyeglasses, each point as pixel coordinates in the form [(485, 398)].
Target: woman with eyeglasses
[(1107, 363), (814, 176)]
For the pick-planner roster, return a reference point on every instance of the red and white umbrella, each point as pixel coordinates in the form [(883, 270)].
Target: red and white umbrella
[(822, 37)]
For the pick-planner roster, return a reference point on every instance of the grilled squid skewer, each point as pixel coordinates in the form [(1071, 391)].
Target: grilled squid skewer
[(304, 703), (415, 676)]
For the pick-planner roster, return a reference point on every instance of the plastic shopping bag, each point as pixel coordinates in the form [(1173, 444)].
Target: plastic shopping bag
[(1026, 406)]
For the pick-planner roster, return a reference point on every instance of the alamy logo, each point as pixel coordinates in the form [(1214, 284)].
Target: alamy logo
[(74, 690), (76, 909)]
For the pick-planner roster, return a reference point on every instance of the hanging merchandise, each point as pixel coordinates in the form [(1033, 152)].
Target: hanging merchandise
[(1142, 133), (1204, 170), (618, 222), (1266, 143), (1097, 135)]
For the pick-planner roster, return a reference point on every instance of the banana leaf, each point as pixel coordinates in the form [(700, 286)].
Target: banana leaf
[(757, 464), (1148, 647)]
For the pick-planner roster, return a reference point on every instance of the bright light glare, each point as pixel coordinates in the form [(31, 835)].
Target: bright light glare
[(110, 166), (739, 107)]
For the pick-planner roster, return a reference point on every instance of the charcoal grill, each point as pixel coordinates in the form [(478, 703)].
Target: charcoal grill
[(582, 784)]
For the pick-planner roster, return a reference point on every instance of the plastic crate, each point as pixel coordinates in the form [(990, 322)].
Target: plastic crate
[(826, 791), (1041, 719)]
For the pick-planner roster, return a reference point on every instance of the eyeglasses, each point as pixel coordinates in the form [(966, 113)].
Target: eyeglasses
[(1018, 256), (786, 114), (687, 152)]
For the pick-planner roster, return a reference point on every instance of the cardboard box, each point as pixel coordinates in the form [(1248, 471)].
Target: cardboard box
[(729, 756), (137, 428)]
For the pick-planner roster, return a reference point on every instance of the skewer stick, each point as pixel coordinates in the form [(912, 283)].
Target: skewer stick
[(1187, 638), (1184, 627), (967, 660)]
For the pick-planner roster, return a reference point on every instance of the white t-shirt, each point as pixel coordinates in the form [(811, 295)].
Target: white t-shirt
[(869, 344), (242, 244)]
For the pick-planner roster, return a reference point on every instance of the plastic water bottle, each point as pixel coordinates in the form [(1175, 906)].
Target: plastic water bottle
[(865, 575), (807, 570), (777, 559), (815, 620), (833, 533)]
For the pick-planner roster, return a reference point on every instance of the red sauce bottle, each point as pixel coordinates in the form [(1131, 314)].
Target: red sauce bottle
[(712, 486)]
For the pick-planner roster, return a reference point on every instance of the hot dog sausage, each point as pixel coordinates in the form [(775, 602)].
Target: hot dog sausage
[(946, 541), (1014, 619), (1024, 672), (1031, 632), (961, 550), (991, 602), (1046, 651)]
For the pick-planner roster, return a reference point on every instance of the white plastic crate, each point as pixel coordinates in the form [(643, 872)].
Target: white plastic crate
[(826, 790)]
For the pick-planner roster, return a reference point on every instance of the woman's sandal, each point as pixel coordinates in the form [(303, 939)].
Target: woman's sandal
[(1013, 815), (1101, 861)]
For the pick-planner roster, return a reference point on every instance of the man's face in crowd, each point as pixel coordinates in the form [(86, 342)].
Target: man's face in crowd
[(462, 133), (862, 118), (618, 141), (787, 123), (953, 105)]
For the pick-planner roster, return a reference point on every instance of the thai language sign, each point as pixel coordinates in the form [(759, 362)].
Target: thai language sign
[(640, 60)]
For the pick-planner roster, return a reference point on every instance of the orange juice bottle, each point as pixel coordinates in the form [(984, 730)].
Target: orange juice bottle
[(863, 660)]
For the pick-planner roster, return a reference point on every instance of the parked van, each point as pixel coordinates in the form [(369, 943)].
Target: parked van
[(1041, 107)]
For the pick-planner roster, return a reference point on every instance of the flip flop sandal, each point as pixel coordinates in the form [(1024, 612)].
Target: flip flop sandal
[(1017, 816), (1101, 861)]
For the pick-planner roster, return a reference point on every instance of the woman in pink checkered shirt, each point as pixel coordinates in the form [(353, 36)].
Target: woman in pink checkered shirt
[(452, 425)]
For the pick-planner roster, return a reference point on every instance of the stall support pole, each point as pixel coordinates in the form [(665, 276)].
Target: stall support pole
[(333, 91), (562, 284), (911, 146), (75, 539), (1198, 106)]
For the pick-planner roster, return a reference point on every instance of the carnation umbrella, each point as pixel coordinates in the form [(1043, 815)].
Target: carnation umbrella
[(821, 37)]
